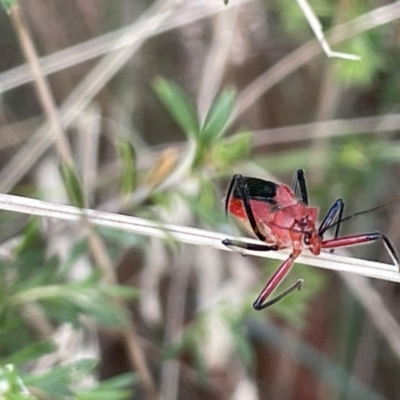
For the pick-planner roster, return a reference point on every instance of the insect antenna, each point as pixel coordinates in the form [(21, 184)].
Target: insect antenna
[(365, 211)]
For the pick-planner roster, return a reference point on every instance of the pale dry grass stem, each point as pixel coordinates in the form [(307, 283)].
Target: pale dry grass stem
[(188, 235)]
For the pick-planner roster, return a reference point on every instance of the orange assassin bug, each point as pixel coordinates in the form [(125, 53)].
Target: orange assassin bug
[(272, 212)]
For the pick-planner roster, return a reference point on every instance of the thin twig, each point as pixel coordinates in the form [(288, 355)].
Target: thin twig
[(319, 34), (41, 85), (174, 321), (328, 100), (129, 335), (326, 129), (216, 59), (189, 235)]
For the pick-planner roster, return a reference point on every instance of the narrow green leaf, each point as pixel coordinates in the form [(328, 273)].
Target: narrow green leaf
[(121, 291), (81, 297), (82, 368), (31, 235), (30, 352), (111, 389), (216, 121), (179, 105), (72, 185), (55, 382), (40, 273), (102, 309), (119, 381), (102, 394), (127, 156)]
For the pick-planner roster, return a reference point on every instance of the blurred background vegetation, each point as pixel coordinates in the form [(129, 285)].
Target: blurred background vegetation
[(159, 104)]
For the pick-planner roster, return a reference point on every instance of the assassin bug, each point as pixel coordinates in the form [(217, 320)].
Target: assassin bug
[(274, 215)]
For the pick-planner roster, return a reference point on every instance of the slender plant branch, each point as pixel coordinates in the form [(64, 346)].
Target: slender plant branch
[(129, 335), (42, 87), (188, 235), (327, 129), (316, 26)]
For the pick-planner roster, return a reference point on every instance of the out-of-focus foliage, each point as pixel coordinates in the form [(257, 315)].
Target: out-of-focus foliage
[(12, 386), (128, 160), (207, 134), (7, 4), (180, 107), (32, 280), (72, 185)]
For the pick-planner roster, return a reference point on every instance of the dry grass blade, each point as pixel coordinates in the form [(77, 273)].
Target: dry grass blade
[(327, 129), (41, 85), (188, 235), (319, 34)]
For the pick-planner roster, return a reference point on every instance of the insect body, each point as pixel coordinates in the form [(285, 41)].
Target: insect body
[(274, 215)]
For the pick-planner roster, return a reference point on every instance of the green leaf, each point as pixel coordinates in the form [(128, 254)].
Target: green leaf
[(31, 236), (81, 297), (7, 4), (119, 381), (111, 389), (40, 274), (102, 394), (127, 156), (72, 185), (228, 151), (56, 381), (179, 105), (360, 72), (216, 121), (120, 291), (30, 352), (82, 368)]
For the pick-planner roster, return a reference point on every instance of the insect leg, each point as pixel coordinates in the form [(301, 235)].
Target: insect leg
[(249, 246), (274, 281), (244, 195), (360, 239), (335, 211), (300, 180), (229, 192)]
